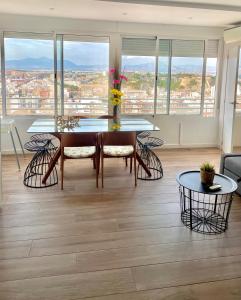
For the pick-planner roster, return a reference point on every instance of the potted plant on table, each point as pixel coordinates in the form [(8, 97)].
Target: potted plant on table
[(207, 173)]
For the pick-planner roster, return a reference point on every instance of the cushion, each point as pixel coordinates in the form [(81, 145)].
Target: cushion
[(233, 164), (79, 152), (118, 150)]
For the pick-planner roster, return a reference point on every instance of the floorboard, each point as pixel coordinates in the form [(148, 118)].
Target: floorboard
[(115, 243)]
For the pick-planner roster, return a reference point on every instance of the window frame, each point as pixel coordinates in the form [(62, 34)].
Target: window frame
[(112, 49), (204, 65)]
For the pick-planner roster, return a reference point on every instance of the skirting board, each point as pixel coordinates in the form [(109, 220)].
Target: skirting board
[(165, 146)]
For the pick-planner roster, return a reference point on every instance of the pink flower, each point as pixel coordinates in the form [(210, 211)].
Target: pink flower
[(124, 77), (112, 70), (116, 81)]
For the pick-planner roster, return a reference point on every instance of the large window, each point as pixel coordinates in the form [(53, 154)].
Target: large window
[(138, 65), (238, 95), (29, 74), (85, 75), (169, 76), (186, 77), (44, 73)]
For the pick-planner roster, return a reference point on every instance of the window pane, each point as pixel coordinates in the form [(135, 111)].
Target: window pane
[(238, 97), (162, 85), (186, 83), (29, 76), (210, 87), (139, 89), (86, 66)]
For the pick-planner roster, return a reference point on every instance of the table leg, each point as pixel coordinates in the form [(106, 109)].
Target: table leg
[(52, 165), (144, 166)]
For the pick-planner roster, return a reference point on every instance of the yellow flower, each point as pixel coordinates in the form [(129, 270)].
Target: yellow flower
[(116, 101), (114, 92), (116, 126), (120, 94)]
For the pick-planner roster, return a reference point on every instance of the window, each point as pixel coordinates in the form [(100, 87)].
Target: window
[(29, 74), (169, 76), (238, 95), (85, 75), (210, 78), (163, 77), (138, 65), (186, 77)]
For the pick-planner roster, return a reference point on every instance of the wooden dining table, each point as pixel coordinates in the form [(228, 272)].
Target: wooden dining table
[(92, 125)]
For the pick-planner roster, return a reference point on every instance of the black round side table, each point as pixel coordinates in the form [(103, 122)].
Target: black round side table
[(202, 210)]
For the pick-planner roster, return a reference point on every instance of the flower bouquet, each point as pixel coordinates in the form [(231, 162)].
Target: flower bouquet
[(116, 92)]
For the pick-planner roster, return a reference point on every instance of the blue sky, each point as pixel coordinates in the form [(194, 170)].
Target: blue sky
[(79, 53)]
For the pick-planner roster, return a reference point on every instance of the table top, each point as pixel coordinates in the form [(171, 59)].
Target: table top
[(192, 181), (92, 125)]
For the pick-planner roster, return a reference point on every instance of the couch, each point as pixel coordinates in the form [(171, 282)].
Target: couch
[(231, 166)]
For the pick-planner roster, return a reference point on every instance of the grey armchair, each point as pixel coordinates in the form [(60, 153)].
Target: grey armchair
[(231, 166)]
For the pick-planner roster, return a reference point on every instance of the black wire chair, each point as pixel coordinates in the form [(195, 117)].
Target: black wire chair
[(145, 144), (44, 146)]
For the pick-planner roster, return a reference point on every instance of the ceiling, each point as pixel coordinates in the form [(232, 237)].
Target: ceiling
[(221, 13)]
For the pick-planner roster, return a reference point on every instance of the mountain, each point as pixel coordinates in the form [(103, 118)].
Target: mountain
[(44, 63), (132, 64)]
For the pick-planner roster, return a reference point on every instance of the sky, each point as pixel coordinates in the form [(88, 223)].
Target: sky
[(79, 53), (84, 53)]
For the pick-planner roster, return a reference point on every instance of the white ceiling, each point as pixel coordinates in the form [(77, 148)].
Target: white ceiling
[(182, 12)]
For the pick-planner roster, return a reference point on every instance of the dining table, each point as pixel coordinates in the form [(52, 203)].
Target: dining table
[(55, 127)]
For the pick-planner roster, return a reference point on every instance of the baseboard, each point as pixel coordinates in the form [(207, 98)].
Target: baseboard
[(165, 146)]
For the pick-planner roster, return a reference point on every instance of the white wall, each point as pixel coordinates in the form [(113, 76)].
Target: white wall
[(177, 131)]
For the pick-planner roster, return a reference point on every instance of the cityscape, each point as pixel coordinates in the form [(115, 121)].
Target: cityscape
[(86, 92)]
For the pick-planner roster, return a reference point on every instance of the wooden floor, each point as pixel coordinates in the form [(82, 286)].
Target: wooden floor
[(115, 243)]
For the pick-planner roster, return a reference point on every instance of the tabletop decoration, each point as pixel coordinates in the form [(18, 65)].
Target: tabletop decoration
[(116, 92), (67, 122), (207, 173)]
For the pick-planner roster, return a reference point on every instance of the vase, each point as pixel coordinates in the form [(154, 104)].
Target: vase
[(207, 177), (115, 112)]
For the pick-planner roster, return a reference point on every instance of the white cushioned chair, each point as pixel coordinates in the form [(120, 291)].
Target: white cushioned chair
[(79, 146), (118, 144)]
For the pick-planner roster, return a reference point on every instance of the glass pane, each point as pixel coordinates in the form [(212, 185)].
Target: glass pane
[(238, 97), (186, 83), (210, 88), (86, 78), (29, 76), (139, 89), (162, 85)]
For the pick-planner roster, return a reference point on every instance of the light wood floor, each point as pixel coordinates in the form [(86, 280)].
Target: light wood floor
[(115, 243)]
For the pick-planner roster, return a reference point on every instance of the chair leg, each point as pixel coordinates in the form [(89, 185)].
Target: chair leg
[(135, 170), (97, 170), (62, 173), (130, 164), (126, 159), (20, 142), (14, 148), (94, 163), (102, 169)]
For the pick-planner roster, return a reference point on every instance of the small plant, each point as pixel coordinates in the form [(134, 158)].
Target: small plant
[(207, 173), (207, 167)]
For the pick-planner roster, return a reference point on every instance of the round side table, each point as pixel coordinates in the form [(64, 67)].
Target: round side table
[(202, 210)]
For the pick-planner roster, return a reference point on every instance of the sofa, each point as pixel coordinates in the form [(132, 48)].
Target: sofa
[(231, 166)]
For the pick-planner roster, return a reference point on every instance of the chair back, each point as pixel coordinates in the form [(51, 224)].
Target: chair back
[(118, 138), (106, 117), (78, 139)]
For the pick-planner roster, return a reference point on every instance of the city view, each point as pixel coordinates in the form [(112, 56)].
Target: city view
[(30, 81)]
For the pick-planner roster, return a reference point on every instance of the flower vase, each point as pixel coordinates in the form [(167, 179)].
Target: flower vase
[(115, 113)]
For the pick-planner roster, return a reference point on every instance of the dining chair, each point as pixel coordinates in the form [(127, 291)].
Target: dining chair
[(79, 146), (115, 145), (106, 117)]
